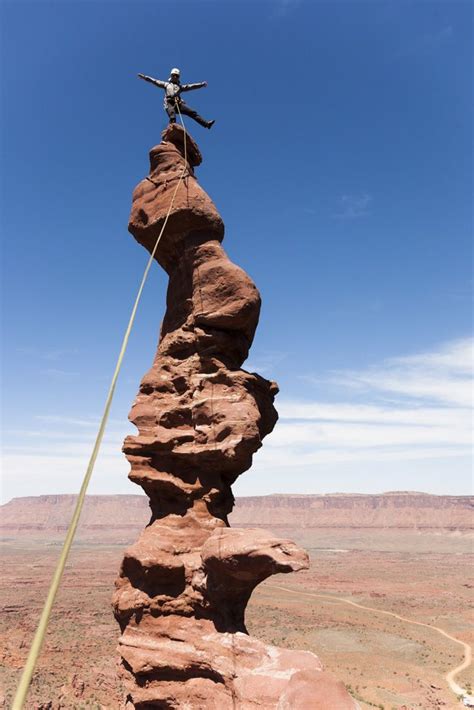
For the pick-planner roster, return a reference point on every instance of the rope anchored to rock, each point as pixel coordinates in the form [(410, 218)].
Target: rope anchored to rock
[(38, 639)]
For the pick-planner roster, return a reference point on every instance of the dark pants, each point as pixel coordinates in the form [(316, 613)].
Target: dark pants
[(185, 110)]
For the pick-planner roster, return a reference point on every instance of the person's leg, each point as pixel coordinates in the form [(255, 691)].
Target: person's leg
[(171, 111), (187, 111)]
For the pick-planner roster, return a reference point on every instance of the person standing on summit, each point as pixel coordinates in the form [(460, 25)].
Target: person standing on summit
[(173, 100)]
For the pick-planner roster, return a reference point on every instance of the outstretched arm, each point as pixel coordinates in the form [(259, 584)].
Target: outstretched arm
[(156, 82), (190, 87)]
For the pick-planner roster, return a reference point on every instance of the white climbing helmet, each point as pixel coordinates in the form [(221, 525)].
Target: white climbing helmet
[(175, 72)]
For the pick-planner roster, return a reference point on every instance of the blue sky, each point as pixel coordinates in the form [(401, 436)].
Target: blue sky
[(341, 163)]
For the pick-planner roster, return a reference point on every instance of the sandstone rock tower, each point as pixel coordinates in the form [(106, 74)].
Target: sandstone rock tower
[(184, 585)]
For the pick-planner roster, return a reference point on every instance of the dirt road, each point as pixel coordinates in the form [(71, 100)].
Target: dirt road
[(449, 677)]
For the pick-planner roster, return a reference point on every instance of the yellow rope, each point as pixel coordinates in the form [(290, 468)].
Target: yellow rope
[(38, 639)]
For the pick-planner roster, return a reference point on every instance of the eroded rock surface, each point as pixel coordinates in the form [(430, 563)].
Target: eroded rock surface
[(183, 587), (193, 209)]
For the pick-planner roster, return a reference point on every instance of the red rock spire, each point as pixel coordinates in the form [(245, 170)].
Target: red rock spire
[(183, 587)]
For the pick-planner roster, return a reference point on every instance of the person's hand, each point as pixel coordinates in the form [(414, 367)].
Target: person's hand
[(204, 83)]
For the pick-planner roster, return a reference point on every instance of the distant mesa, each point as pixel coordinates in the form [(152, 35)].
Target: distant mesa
[(121, 517)]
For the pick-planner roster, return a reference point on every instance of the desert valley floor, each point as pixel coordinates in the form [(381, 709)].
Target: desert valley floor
[(421, 575)]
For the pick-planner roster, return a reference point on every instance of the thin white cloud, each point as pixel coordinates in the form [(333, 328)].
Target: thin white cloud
[(428, 43), (52, 354), (271, 459), (431, 416), (442, 376), (348, 435), (42, 474), (73, 421), (264, 362), (455, 357), (282, 8), (59, 374), (354, 206), (372, 413)]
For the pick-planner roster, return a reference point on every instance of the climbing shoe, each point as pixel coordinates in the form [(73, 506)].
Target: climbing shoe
[(210, 124)]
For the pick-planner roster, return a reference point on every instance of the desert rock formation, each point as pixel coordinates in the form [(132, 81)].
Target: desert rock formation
[(183, 587)]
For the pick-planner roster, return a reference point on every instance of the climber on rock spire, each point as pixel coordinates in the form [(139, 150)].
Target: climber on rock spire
[(173, 100)]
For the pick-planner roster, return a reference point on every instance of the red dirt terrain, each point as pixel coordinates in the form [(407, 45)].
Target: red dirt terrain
[(406, 553)]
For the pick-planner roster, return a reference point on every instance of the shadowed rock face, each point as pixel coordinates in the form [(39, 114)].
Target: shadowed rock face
[(183, 587)]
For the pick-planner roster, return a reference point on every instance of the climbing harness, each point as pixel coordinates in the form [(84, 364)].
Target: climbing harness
[(40, 633)]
